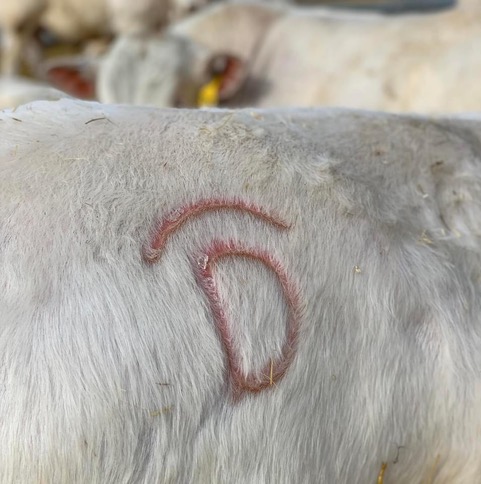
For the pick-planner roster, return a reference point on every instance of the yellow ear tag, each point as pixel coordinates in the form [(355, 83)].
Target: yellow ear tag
[(209, 93)]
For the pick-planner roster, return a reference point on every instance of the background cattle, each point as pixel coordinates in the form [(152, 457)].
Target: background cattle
[(256, 54), (78, 20), (15, 91), (282, 296), (280, 56)]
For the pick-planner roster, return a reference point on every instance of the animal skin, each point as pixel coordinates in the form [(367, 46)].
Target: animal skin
[(158, 265)]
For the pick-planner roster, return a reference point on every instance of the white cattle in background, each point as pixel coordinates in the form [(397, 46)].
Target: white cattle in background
[(282, 56), (15, 91), (285, 296), (76, 20)]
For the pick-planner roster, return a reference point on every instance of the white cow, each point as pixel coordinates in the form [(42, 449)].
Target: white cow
[(15, 91), (276, 56), (76, 20), (285, 297)]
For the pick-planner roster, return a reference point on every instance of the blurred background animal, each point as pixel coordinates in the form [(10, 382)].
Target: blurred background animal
[(15, 91), (255, 53), (80, 20), (265, 55)]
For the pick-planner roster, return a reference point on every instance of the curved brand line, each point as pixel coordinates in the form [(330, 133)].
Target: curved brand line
[(274, 370), (204, 264), (179, 216)]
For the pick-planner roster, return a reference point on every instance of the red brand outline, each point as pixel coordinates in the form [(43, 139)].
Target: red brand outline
[(275, 369), (203, 264), (178, 217)]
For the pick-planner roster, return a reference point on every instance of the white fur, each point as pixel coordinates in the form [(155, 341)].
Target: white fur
[(111, 370)]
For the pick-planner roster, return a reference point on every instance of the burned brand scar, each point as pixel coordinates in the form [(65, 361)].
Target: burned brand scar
[(204, 263)]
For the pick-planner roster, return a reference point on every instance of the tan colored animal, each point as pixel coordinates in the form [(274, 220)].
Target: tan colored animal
[(76, 20)]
